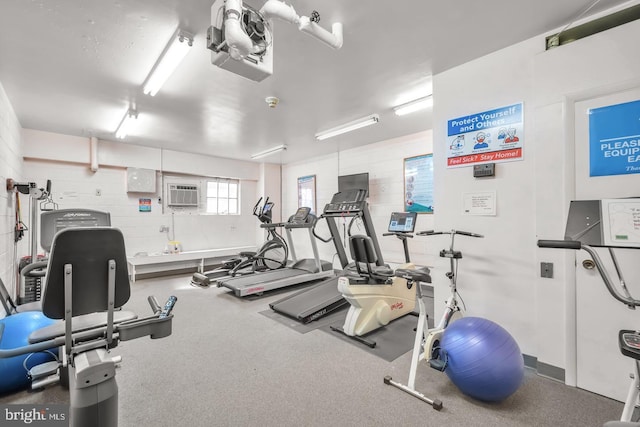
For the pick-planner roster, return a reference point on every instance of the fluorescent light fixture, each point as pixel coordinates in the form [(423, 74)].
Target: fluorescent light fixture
[(269, 152), (125, 123), (415, 105), (348, 127), (173, 54)]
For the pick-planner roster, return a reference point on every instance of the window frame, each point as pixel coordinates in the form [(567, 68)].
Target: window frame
[(228, 198)]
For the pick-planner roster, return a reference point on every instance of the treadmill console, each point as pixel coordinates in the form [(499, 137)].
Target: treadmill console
[(301, 216), (347, 201)]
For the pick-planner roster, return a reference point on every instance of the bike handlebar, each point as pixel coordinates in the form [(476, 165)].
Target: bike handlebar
[(572, 244), (398, 233), (560, 244), (462, 233)]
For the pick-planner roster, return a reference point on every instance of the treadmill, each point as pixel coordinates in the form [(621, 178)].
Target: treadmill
[(300, 271), (324, 298)]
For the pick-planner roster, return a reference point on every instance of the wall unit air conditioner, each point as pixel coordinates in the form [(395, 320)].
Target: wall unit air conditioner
[(182, 195)]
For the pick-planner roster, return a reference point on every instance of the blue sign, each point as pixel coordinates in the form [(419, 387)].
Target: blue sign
[(614, 139), (485, 120), (491, 136)]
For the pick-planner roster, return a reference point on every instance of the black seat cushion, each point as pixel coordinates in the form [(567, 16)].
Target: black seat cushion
[(88, 251)]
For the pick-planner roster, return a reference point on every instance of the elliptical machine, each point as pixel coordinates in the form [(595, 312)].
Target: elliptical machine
[(273, 254)]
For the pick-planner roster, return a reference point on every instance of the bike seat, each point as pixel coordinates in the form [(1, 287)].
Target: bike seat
[(420, 274), (629, 342)]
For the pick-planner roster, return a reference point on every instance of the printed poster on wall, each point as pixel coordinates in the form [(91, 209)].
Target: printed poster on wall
[(488, 137), (418, 184), (614, 139), (144, 205), (307, 192)]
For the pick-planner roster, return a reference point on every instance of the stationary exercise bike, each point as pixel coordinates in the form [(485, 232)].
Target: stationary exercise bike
[(628, 340), (86, 283), (273, 254), (426, 345), (377, 296)]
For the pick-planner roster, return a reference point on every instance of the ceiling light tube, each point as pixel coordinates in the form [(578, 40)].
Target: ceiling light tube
[(348, 127), (125, 123), (269, 152), (415, 105), (173, 54)]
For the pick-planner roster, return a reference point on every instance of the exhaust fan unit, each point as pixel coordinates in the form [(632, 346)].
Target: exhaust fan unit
[(240, 40)]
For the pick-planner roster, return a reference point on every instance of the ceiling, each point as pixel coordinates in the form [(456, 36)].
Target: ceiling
[(74, 67)]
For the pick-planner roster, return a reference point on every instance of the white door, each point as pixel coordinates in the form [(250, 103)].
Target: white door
[(601, 368)]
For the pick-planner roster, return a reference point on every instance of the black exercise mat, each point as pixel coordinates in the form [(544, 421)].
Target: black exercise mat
[(392, 341), (303, 328)]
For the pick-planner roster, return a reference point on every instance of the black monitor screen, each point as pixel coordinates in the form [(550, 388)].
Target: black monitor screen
[(359, 181), (53, 221), (404, 222)]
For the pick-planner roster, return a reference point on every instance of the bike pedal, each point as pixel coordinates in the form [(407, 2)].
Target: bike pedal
[(437, 364)]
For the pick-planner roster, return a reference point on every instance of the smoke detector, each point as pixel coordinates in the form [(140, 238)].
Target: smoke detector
[(271, 101)]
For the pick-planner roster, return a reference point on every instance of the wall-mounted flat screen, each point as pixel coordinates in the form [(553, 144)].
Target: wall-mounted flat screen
[(359, 181)]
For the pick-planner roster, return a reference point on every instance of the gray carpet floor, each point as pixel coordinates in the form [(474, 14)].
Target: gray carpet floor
[(228, 365)]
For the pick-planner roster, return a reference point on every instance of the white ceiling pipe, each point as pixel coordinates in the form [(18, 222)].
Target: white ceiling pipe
[(93, 144), (278, 9), (334, 39), (240, 45)]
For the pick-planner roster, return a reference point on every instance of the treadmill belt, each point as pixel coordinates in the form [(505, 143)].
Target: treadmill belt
[(258, 278), (311, 304)]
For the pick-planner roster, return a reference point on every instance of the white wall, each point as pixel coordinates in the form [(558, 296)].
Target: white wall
[(10, 167), (499, 275), (384, 162), (65, 161), (496, 272)]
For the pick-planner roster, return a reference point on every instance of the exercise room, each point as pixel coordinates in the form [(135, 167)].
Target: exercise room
[(297, 213)]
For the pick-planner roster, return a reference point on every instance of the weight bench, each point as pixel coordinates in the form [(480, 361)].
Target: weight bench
[(86, 283)]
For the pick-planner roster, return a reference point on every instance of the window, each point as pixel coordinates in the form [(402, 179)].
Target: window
[(222, 196)]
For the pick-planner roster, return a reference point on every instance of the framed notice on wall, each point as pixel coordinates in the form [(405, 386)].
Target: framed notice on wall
[(307, 192), (487, 137), (614, 139), (418, 184)]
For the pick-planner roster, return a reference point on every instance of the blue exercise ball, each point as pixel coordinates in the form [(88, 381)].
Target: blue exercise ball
[(483, 359), (16, 331)]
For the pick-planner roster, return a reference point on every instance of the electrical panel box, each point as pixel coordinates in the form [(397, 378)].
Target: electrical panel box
[(487, 169), (141, 180)]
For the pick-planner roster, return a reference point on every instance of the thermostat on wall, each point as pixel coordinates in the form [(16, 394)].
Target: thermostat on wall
[(487, 169)]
